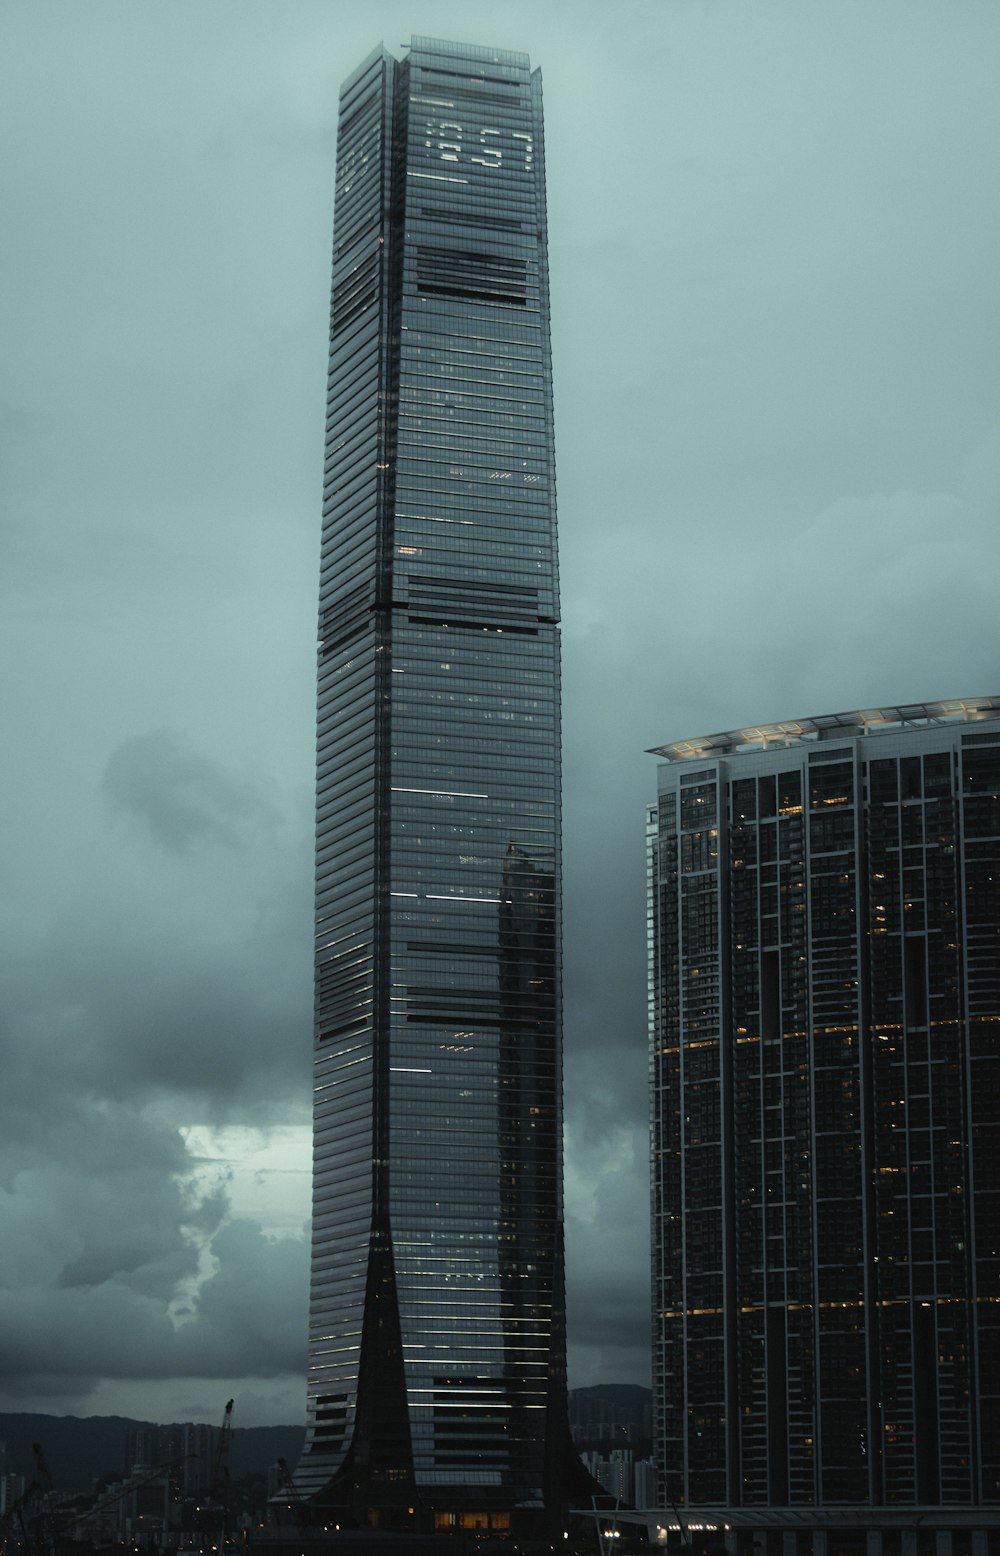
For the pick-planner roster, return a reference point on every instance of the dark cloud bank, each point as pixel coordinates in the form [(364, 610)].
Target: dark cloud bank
[(778, 426)]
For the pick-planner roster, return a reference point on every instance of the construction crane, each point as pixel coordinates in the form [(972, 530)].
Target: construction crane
[(119, 1493), (14, 1516), (218, 1502), (220, 1459), (35, 1514), (45, 1514), (288, 1481), (287, 1498), (41, 1524)]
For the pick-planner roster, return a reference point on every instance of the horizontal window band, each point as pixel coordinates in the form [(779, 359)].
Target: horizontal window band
[(468, 292), (354, 599), (371, 100), (454, 624), (449, 948), (358, 1025), (460, 1004), (342, 320), (501, 1023), (475, 586), (368, 224), (441, 213), (330, 645), (441, 268), (462, 85)]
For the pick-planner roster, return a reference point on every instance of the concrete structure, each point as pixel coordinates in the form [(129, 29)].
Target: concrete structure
[(824, 920)]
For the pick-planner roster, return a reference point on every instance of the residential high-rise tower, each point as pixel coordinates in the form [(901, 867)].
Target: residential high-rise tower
[(825, 1021), (437, 1347)]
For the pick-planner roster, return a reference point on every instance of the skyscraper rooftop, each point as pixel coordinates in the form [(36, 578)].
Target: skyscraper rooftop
[(830, 726)]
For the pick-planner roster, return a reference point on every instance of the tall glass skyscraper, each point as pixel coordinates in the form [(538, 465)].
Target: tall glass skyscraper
[(825, 1022), (437, 1393)]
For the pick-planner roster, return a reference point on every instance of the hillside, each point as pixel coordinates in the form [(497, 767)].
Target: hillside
[(79, 1450)]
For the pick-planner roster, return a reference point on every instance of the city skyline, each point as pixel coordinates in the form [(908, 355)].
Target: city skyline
[(778, 419)]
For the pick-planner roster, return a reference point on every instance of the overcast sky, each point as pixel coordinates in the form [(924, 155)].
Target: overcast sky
[(775, 246)]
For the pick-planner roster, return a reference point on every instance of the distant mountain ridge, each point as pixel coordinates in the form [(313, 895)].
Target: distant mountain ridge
[(625, 1395), (80, 1449), (609, 1415)]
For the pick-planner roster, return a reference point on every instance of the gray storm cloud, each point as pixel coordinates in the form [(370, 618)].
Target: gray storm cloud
[(778, 443), (184, 798)]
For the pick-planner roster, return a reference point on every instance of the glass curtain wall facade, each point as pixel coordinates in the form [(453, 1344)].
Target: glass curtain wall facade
[(825, 1023), (437, 1349)]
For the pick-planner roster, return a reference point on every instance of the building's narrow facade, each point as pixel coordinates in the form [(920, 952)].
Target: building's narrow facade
[(825, 1020), (437, 1348)]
